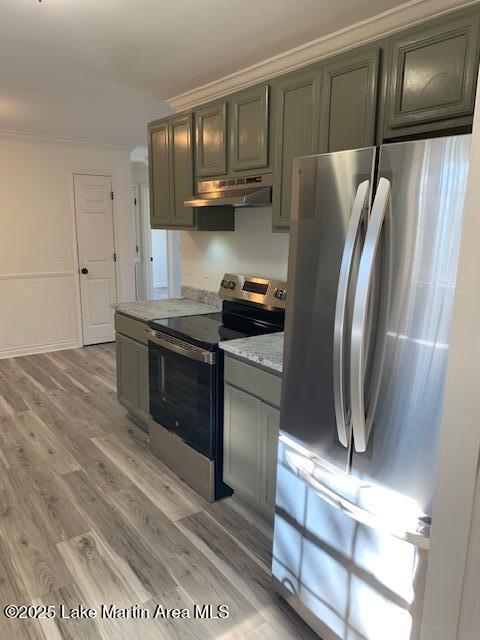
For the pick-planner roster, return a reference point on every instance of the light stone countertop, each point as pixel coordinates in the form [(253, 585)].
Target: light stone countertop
[(265, 350), (168, 308)]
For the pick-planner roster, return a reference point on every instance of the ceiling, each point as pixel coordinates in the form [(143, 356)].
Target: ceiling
[(100, 69)]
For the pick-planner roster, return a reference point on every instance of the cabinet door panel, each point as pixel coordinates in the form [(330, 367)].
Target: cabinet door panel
[(241, 442), (432, 73), (296, 133), (349, 98), (249, 130), (181, 171), (142, 381), (270, 433), (159, 177), (210, 140), (127, 385)]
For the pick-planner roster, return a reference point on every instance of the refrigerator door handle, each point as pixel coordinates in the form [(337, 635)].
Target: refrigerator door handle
[(362, 424), (359, 204), (415, 529)]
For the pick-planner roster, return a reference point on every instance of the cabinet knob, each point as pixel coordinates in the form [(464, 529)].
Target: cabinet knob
[(84, 271)]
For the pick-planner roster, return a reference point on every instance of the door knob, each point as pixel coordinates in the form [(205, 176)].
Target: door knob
[(84, 271)]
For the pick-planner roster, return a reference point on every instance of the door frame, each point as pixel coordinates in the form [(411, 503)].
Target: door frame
[(70, 177)]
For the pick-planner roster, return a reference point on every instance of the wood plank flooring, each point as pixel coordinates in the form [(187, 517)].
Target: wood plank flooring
[(89, 517)]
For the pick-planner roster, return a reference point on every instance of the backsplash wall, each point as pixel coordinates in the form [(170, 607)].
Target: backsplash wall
[(252, 249)]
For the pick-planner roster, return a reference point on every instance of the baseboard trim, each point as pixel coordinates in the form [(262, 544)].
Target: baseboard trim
[(39, 348), (363, 32)]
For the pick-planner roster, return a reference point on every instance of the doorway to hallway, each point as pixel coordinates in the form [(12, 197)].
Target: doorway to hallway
[(159, 264), (157, 251)]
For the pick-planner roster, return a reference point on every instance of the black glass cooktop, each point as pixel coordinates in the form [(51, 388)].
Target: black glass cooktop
[(209, 329)]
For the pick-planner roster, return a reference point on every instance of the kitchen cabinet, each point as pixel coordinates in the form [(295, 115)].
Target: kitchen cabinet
[(432, 74), (241, 432), (132, 369), (251, 429), (211, 139), (297, 107), (418, 82), (349, 100), (249, 129), (172, 180), (159, 176), (181, 170), (171, 172)]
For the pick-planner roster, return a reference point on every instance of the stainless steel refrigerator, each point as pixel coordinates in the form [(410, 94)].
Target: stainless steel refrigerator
[(374, 244)]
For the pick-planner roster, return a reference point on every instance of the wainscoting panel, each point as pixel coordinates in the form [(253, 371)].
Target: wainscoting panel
[(38, 312)]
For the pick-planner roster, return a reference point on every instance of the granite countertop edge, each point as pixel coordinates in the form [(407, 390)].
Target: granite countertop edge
[(264, 350), (147, 310)]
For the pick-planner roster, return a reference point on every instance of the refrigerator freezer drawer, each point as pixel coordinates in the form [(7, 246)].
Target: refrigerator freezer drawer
[(357, 582)]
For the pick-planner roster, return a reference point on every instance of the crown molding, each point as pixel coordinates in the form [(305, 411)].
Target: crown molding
[(51, 138), (383, 24)]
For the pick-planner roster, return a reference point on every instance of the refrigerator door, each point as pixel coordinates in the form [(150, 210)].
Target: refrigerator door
[(331, 197), (397, 403)]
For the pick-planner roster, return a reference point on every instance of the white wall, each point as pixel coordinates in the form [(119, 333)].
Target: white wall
[(252, 249), (139, 172), (38, 268)]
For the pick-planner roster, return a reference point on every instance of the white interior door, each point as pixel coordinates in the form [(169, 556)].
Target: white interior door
[(96, 255)]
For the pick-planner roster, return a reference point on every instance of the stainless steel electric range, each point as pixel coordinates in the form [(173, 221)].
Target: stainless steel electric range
[(186, 377)]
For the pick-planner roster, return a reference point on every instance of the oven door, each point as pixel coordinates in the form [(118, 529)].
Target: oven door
[(183, 390)]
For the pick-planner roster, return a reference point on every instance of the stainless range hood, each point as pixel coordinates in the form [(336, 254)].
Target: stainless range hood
[(250, 191)]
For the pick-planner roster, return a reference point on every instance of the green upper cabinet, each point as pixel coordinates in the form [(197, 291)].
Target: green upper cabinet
[(432, 74), (181, 170), (249, 130), (159, 175), (297, 115), (349, 99), (211, 139), (171, 172)]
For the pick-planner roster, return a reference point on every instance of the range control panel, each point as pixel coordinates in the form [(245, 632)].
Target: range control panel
[(253, 289)]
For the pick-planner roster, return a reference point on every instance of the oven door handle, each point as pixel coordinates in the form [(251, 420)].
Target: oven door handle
[(181, 347)]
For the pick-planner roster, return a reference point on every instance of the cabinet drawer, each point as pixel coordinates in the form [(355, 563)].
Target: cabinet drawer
[(255, 381), (130, 327)]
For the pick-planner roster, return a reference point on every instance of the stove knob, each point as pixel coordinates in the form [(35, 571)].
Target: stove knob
[(280, 294), (231, 284), (224, 284)]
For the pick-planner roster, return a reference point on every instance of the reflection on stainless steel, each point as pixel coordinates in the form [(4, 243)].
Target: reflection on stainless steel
[(361, 423), (181, 347), (358, 213), (366, 348), (346, 578), (428, 186), (371, 505), (324, 192), (252, 191), (263, 291)]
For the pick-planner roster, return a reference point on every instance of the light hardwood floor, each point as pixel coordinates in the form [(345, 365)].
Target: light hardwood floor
[(88, 516)]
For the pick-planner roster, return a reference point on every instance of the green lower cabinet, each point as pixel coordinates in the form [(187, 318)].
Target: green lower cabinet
[(251, 429), (132, 378), (270, 432), (241, 437), (142, 381), (127, 388)]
